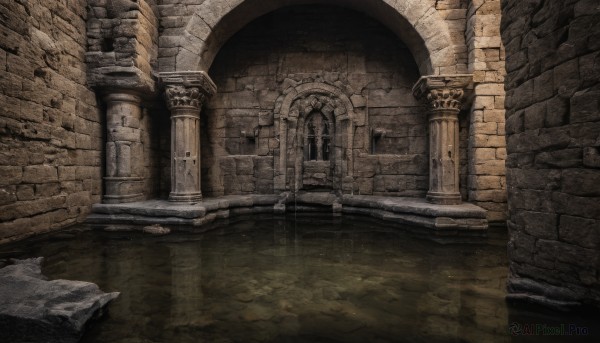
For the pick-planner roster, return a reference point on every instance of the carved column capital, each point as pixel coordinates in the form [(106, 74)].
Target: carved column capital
[(188, 89), (443, 92), (182, 97)]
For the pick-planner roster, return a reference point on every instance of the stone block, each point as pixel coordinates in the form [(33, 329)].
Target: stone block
[(538, 224), (566, 76), (543, 86), (494, 116), (488, 195), (483, 154), (515, 123), (557, 110), (45, 190), (358, 101), (585, 107), (489, 89), (244, 165), (580, 231), (365, 167), (488, 141), (8, 194), (565, 158), (10, 175), (490, 128), (579, 206), (477, 182), (541, 179), (25, 192), (40, 174), (24, 209), (581, 182), (534, 116), (489, 168), (265, 118), (591, 157)]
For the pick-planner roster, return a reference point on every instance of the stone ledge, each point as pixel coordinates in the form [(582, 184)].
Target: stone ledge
[(444, 220)]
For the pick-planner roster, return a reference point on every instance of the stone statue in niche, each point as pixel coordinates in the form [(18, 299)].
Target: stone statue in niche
[(316, 168), (317, 140)]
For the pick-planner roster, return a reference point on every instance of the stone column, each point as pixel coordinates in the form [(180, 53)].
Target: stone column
[(185, 93), (444, 95), (123, 116)]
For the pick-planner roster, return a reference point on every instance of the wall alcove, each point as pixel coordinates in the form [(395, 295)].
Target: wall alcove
[(272, 73)]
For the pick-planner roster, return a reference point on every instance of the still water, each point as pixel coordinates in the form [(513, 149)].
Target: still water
[(304, 279)]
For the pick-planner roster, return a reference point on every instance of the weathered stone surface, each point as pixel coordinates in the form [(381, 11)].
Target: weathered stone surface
[(37, 310), (253, 137), (49, 117), (553, 181), (465, 219)]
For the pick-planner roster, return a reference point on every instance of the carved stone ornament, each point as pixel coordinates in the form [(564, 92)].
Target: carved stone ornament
[(187, 89), (443, 92), (445, 98), (179, 96)]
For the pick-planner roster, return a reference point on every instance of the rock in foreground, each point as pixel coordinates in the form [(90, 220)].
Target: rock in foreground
[(34, 309)]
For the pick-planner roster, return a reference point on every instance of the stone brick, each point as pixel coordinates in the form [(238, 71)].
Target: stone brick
[(567, 158), (25, 192), (40, 174), (591, 157), (31, 208), (586, 207), (487, 195), (543, 86), (10, 175), (538, 224), (477, 182), (490, 89), (585, 107), (580, 231), (581, 182)]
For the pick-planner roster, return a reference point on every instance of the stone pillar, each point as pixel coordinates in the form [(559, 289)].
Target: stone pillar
[(444, 95), (123, 114), (185, 93)]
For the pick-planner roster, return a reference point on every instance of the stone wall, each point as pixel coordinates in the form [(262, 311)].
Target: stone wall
[(330, 45), (122, 51), (486, 180), (50, 124), (553, 136)]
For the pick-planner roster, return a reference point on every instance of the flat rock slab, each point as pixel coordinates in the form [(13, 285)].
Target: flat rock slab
[(34, 309)]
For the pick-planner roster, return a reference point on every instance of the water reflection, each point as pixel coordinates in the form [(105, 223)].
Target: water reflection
[(314, 279)]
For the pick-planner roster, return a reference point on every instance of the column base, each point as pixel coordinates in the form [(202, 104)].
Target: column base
[(185, 197), (120, 190), (444, 198)]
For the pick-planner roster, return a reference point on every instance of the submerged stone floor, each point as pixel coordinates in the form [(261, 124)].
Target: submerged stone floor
[(297, 278), (443, 220)]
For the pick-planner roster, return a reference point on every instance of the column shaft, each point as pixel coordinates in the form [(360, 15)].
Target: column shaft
[(185, 93), (185, 154), (444, 157), (123, 180), (444, 95)]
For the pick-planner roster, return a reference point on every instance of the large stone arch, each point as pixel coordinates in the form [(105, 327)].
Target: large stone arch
[(415, 22)]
